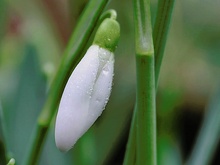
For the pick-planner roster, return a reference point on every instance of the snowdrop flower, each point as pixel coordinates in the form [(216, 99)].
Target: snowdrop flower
[(88, 88)]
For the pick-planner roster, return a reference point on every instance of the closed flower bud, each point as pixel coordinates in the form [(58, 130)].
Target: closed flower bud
[(87, 90)]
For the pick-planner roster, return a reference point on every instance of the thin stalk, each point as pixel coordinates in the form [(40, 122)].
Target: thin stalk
[(130, 155), (161, 29), (146, 110), (146, 106), (70, 59)]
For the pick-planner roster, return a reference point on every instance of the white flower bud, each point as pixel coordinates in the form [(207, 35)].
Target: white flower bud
[(85, 96)]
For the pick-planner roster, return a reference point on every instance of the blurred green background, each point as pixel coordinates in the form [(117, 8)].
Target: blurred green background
[(33, 35)]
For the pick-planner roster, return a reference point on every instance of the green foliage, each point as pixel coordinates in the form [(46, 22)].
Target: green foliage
[(31, 45)]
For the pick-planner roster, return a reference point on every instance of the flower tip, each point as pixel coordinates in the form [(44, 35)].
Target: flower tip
[(63, 149), (63, 145), (64, 139)]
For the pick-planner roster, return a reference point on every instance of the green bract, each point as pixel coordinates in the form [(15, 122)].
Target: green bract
[(108, 34)]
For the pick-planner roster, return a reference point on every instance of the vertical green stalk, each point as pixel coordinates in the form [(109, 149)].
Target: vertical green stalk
[(71, 56), (161, 28), (146, 110), (130, 154), (146, 106)]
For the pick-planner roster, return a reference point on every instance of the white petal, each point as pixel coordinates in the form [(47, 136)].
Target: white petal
[(73, 109), (102, 91)]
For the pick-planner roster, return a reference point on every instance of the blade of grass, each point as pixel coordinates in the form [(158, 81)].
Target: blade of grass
[(209, 135), (28, 99), (71, 56), (161, 28), (145, 97)]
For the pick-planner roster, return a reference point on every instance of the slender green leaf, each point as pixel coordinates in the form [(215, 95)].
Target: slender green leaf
[(24, 106), (161, 29)]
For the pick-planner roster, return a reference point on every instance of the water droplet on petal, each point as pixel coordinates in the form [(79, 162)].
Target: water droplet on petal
[(105, 70), (98, 100)]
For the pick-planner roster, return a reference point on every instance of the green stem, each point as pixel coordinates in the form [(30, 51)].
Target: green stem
[(71, 57), (146, 110), (146, 106), (130, 155), (108, 14), (161, 28)]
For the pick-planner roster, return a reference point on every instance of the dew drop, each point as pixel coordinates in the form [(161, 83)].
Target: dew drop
[(105, 70), (98, 100)]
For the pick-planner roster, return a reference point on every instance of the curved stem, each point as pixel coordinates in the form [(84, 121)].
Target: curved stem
[(111, 13), (71, 57)]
